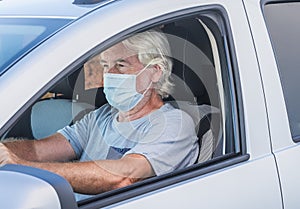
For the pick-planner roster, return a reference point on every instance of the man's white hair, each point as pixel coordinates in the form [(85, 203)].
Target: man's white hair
[(152, 47)]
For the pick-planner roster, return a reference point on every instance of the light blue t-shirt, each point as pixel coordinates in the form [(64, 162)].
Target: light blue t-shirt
[(166, 137)]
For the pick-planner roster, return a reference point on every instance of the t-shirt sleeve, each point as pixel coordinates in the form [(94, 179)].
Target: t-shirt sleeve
[(77, 134), (170, 143)]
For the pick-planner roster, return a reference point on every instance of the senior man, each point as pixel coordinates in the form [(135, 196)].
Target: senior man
[(133, 137)]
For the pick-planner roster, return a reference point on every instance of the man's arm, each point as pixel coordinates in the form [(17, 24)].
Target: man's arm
[(52, 148), (91, 177), (94, 177)]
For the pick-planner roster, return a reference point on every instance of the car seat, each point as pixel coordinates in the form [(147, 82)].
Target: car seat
[(196, 91), (48, 115)]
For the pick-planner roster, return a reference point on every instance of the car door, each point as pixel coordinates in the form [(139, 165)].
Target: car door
[(242, 173), (276, 40)]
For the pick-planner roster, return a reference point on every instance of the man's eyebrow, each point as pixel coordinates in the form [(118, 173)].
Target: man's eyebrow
[(118, 60), (102, 61), (122, 60)]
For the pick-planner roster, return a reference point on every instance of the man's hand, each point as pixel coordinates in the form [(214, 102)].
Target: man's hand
[(6, 156)]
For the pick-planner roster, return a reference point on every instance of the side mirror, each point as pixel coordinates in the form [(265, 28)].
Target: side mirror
[(27, 187)]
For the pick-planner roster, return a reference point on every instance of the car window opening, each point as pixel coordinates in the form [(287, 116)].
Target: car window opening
[(199, 91)]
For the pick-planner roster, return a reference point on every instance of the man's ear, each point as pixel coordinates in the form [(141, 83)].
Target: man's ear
[(157, 73)]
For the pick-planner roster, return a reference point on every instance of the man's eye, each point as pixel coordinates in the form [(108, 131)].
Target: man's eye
[(105, 67), (119, 65), (123, 68)]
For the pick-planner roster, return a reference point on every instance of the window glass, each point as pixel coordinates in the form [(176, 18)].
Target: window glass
[(200, 77), (283, 21), (17, 36), (201, 86)]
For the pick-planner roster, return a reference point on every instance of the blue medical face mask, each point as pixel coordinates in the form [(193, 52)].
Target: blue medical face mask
[(120, 90)]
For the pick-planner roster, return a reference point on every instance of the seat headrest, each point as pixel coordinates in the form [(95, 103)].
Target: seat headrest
[(65, 87), (192, 63)]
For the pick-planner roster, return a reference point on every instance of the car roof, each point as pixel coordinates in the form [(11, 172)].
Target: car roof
[(49, 8)]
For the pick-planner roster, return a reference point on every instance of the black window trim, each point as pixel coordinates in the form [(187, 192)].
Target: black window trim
[(265, 2)]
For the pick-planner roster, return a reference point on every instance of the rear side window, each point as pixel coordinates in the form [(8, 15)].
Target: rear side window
[(282, 20)]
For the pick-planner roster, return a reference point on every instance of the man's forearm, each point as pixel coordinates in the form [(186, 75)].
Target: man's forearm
[(22, 148), (51, 149), (94, 177), (90, 177), (84, 177), (87, 177)]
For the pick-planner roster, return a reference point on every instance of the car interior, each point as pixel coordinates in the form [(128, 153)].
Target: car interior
[(199, 91)]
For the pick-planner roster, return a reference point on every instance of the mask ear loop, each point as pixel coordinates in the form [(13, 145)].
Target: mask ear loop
[(144, 68), (143, 71), (147, 89)]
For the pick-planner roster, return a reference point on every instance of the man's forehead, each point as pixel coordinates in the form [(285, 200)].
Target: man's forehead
[(117, 52)]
